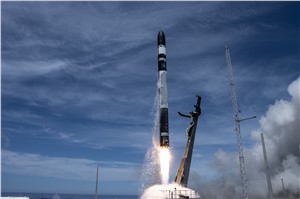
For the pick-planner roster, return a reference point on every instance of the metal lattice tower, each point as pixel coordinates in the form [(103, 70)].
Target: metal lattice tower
[(237, 122)]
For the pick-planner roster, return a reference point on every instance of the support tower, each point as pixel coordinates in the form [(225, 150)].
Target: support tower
[(183, 172), (237, 122)]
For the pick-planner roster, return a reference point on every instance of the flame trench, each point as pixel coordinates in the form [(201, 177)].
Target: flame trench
[(164, 156)]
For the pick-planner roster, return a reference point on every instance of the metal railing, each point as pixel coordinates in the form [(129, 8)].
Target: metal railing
[(180, 194)]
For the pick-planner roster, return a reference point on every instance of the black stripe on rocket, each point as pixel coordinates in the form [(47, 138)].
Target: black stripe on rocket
[(163, 95)]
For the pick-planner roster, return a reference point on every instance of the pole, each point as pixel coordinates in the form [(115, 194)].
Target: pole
[(96, 191), (270, 191), (283, 187), (237, 123)]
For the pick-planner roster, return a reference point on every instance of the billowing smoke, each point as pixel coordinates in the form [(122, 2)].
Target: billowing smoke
[(168, 191), (280, 126)]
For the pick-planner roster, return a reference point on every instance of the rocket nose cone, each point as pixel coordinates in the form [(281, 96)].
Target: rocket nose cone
[(161, 40)]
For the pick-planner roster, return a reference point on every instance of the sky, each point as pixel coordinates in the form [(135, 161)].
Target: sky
[(78, 86)]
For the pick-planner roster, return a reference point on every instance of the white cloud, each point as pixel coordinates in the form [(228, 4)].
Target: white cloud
[(280, 126), (28, 69), (67, 168)]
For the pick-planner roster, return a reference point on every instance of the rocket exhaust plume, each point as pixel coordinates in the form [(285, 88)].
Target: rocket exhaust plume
[(164, 157)]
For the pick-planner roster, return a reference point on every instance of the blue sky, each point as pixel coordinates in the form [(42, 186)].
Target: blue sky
[(78, 85)]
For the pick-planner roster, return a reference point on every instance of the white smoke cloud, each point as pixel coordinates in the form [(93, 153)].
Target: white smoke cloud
[(168, 191), (280, 126)]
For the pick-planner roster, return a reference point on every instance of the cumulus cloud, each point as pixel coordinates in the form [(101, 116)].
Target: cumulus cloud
[(280, 126)]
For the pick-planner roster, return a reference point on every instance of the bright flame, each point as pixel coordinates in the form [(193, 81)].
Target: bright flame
[(164, 156)]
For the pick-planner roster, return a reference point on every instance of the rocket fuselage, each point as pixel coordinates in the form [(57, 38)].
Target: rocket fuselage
[(163, 91)]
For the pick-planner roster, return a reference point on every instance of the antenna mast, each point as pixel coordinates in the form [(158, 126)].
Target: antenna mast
[(270, 190), (96, 191), (237, 122)]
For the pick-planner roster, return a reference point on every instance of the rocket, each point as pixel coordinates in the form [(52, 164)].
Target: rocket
[(162, 91)]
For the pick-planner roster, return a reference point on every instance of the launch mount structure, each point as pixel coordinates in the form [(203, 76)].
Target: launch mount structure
[(182, 175), (237, 119)]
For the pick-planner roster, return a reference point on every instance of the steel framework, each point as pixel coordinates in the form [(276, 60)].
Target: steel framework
[(237, 122)]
